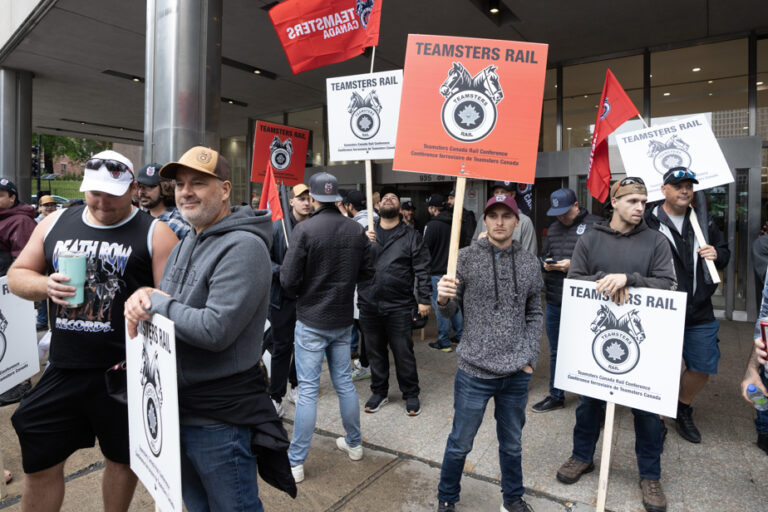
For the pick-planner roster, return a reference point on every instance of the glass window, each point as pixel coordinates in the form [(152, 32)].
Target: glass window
[(312, 120), (582, 87), (762, 120), (548, 136), (710, 78)]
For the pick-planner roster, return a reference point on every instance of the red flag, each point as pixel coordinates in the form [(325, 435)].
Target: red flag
[(270, 197), (616, 108), (316, 33)]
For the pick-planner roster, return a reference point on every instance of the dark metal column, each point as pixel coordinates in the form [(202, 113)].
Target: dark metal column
[(16, 129), (183, 77)]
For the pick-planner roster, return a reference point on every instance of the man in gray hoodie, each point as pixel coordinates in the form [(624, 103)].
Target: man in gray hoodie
[(498, 284), (215, 287)]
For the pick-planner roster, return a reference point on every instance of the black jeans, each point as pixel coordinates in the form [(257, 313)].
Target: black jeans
[(283, 369), (391, 329)]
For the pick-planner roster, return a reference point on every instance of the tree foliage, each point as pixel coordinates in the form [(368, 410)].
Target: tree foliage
[(76, 149)]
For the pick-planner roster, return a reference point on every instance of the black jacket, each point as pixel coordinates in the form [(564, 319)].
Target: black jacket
[(398, 262), (328, 255), (437, 238), (642, 254), (277, 254), (559, 245), (690, 268)]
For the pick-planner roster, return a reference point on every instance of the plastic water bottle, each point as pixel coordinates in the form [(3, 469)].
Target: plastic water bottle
[(757, 397)]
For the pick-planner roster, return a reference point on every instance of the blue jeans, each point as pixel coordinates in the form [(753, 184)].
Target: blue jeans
[(552, 324), (42, 313), (471, 395), (444, 324), (761, 422), (648, 443), (700, 347), (218, 469), (310, 344)]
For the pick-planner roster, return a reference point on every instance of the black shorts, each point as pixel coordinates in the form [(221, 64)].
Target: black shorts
[(67, 410)]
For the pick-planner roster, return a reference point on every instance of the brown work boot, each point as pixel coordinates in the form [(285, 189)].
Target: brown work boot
[(571, 471), (653, 496)]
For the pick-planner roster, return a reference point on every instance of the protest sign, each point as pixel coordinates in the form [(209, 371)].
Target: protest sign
[(18, 339), (362, 115), (153, 411), (687, 142), (285, 147), (471, 107), (626, 354)]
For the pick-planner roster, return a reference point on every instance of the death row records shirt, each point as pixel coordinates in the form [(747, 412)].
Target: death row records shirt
[(119, 261)]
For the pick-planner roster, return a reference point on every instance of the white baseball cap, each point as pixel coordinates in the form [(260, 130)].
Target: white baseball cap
[(108, 172)]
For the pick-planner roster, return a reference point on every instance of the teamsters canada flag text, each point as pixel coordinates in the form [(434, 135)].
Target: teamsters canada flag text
[(316, 33)]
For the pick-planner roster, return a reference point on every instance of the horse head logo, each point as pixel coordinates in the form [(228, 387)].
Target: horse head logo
[(605, 319)]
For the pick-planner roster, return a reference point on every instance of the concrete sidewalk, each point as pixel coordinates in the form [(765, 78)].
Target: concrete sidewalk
[(400, 469)]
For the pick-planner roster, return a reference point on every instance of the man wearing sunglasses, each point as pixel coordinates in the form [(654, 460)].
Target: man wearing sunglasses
[(69, 407), (700, 351), (617, 254)]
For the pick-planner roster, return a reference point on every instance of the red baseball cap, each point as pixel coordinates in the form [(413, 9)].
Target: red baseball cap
[(504, 199)]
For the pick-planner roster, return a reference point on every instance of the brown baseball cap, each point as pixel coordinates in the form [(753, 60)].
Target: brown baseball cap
[(299, 189), (629, 185), (47, 200), (200, 159)]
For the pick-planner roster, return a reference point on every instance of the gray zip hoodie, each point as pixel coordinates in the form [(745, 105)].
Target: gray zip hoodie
[(218, 282), (500, 295)]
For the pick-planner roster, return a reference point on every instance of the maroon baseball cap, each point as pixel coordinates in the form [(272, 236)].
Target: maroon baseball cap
[(504, 199)]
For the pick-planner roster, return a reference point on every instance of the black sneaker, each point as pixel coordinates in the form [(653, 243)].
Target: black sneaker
[(412, 406), (685, 426), (15, 394), (375, 403), (455, 340), (517, 506), (548, 404), (762, 442), (446, 507), (437, 346)]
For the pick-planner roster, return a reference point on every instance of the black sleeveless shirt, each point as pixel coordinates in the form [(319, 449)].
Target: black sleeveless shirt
[(119, 262)]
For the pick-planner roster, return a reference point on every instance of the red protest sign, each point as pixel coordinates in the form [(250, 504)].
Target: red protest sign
[(316, 33), (471, 107), (285, 147)]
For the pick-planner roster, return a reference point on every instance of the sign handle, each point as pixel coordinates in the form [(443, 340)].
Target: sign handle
[(368, 172), (702, 242), (458, 208), (605, 458)]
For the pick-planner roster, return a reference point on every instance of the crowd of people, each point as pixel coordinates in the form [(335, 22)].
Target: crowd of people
[(166, 240)]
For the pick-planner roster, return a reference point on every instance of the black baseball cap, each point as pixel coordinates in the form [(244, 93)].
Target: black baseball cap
[(408, 205), (324, 187), (679, 174), (436, 200), (9, 186), (509, 186), (149, 174), (356, 199)]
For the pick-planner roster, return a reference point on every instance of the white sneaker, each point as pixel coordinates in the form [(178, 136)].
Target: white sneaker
[(278, 409), (293, 395), (355, 453), (360, 372), (298, 473)]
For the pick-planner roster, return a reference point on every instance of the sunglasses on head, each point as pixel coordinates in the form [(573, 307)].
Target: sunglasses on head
[(631, 181), (114, 167), (683, 173)]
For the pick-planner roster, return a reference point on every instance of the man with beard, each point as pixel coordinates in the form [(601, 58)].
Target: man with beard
[(387, 303), (215, 288), (152, 200)]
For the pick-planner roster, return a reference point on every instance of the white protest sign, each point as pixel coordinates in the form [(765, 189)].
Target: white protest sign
[(18, 339), (687, 142), (626, 354), (362, 115), (153, 411)]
